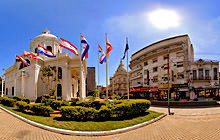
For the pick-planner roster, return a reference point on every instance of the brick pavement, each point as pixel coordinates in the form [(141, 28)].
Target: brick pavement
[(169, 128)]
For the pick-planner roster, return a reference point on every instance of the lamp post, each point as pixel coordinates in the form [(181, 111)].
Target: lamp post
[(168, 83)]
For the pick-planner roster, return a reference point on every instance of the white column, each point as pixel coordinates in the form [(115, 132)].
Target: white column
[(82, 84), (66, 84), (22, 83)]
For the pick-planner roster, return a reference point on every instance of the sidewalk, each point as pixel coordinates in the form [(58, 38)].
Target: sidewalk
[(190, 111)]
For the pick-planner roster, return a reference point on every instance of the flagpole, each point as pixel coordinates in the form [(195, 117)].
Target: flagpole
[(127, 70), (106, 70), (80, 89), (98, 70)]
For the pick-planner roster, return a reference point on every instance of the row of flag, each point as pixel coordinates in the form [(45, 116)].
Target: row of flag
[(69, 46)]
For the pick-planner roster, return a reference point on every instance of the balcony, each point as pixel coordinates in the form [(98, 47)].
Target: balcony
[(136, 77), (139, 84), (136, 69), (206, 78)]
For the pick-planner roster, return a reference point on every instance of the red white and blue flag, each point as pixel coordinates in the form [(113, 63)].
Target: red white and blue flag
[(20, 59), (31, 55), (103, 56), (45, 51), (85, 48), (108, 48), (69, 46)]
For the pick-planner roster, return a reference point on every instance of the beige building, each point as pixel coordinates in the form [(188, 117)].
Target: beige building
[(28, 81), (149, 69), (119, 81)]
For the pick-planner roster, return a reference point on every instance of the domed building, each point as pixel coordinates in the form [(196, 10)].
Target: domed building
[(32, 81), (119, 81)]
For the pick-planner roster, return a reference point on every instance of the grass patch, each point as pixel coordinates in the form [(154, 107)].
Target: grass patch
[(85, 126)]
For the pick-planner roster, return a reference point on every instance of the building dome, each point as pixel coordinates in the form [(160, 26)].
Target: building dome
[(47, 40)]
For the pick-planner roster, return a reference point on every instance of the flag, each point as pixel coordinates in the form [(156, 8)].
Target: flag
[(45, 51), (102, 59), (20, 59), (85, 48), (31, 55), (108, 48), (103, 56), (100, 50), (126, 49), (66, 44)]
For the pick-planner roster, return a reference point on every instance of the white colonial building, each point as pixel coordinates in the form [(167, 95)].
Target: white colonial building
[(29, 82)]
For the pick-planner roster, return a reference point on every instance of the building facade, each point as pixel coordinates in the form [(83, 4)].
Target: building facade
[(29, 81), (119, 81), (172, 59)]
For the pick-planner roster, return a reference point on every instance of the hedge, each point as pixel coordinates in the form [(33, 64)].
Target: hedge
[(78, 113), (22, 106), (57, 104), (117, 111), (41, 109), (25, 99), (8, 101), (130, 109), (93, 104)]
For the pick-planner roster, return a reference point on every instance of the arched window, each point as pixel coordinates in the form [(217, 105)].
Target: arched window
[(12, 91), (59, 90), (49, 48), (22, 65), (36, 50), (59, 73)]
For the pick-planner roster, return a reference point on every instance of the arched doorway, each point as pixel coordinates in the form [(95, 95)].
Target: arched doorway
[(59, 90)]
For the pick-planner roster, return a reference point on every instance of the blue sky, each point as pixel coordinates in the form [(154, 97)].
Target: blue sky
[(21, 21)]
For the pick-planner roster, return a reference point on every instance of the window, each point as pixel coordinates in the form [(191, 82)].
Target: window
[(12, 91), (36, 50), (172, 75), (194, 74), (49, 48), (200, 73), (155, 79), (155, 60), (180, 76), (179, 64), (165, 57), (215, 74), (145, 63), (155, 69), (59, 73), (6, 91), (207, 74)]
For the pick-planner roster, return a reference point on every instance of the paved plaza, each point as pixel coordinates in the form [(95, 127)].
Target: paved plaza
[(176, 127)]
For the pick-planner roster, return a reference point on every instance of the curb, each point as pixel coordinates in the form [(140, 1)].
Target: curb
[(83, 133)]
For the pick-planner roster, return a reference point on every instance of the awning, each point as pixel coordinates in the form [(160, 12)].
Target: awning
[(184, 89)]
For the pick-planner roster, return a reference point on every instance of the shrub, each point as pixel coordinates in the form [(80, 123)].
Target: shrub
[(8, 102), (93, 104), (47, 101), (22, 105), (130, 109), (57, 104), (104, 113), (17, 98), (41, 109), (78, 113), (26, 99)]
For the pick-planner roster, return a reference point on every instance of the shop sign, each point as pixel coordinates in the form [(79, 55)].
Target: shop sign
[(164, 86), (179, 85)]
